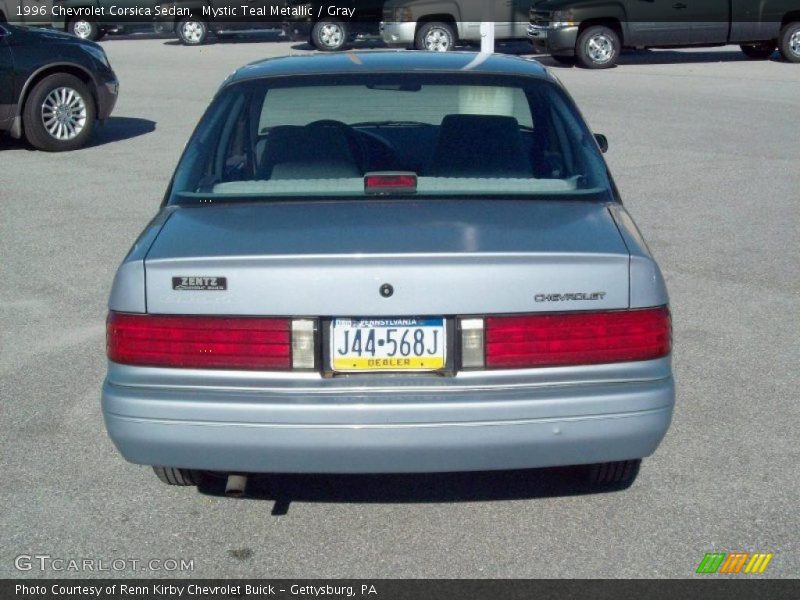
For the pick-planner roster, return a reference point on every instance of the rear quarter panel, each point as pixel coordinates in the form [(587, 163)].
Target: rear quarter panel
[(647, 286), (128, 289)]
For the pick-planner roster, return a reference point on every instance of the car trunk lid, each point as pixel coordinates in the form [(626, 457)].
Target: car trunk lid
[(442, 257)]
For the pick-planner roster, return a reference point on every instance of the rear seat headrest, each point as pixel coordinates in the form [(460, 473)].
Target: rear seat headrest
[(480, 146), (301, 149)]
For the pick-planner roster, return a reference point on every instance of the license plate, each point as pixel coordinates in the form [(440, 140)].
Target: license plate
[(408, 344)]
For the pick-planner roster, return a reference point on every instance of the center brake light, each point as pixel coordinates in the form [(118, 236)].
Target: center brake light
[(208, 342), (387, 183), (578, 338)]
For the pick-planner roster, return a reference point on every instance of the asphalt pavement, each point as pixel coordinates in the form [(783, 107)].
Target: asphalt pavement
[(703, 145)]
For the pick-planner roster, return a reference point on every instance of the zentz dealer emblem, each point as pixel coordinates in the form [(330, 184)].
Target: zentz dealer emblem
[(200, 284)]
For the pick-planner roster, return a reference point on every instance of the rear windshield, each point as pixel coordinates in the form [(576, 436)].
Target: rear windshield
[(320, 136)]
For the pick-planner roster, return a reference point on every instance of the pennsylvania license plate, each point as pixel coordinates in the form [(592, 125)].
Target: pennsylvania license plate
[(388, 344)]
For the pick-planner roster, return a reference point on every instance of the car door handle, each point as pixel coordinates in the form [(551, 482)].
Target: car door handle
[(679, 6)]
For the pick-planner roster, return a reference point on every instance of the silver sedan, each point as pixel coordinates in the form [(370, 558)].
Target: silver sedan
[(389, 262)]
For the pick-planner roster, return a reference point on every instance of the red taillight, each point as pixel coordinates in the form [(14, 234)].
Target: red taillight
[(390, 183), (577, 338), (199, 342)]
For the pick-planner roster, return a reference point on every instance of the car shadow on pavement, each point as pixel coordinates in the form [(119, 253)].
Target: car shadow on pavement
[(117, 129), (283, 489), (369, 44), (9, 143), (268, 35), (667, 57)]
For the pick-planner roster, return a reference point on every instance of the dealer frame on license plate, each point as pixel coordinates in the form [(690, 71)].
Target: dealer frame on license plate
[(381, 337)]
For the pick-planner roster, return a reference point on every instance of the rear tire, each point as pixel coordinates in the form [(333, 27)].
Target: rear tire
[(619, 474), (760, 51), (329, 36), (59, 114), (192, 31), (173, 476), (789, 42), (598, 47), (435, 37)]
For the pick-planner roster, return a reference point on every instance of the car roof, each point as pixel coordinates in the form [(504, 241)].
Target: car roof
[(391, 61)]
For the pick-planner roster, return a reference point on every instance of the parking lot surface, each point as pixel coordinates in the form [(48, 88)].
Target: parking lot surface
[(703, 148)]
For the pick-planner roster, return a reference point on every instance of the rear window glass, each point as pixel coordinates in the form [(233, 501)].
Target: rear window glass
[(430, 104), (460, 135)]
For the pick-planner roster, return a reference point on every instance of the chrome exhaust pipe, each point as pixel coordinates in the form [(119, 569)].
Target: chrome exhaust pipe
[(235, 485)]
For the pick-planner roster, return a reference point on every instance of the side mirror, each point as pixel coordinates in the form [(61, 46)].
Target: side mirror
[(602, 141)]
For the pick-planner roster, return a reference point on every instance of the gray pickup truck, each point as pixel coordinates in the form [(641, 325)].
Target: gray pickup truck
[(440, 25), (594, 32)]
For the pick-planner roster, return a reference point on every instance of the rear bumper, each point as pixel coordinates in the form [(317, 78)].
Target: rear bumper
[(554, 41), (297, 31), (398, 34), (463, 427)]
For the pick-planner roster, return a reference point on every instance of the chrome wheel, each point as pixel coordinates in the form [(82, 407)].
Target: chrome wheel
[(64, 114), (437, 40), (794, 43), (331, 35), (82, 29), (600, 48), (193, 31)]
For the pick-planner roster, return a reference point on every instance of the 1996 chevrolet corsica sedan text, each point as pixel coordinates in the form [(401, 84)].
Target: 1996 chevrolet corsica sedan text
[(389, 262)]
